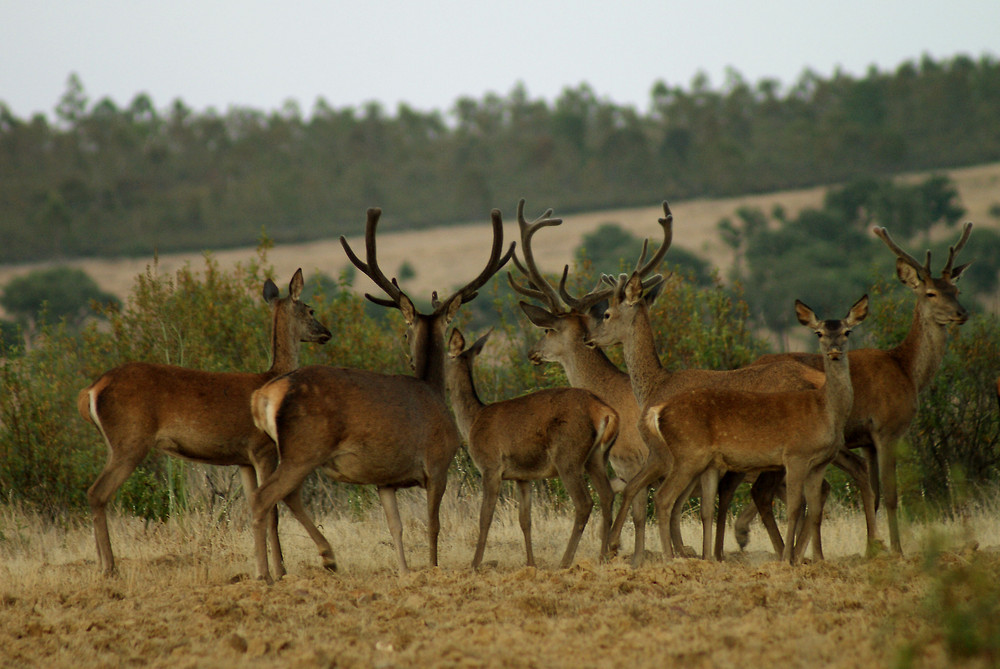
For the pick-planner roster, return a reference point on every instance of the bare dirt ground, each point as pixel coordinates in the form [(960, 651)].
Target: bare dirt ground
[(185, 599), (466, 246)]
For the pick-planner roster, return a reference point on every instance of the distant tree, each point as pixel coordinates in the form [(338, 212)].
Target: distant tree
[(55, 294)]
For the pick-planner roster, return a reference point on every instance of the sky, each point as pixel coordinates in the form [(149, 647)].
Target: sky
[(428, 54)]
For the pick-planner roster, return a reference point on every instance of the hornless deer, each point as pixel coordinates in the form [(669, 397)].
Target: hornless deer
[(553, 432), (195, 415), (392, 431), (713, 428), (887, 383), (652, 384)]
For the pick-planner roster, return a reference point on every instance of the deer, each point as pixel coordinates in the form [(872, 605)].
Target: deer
[(710, 428), (554, 432), (652, 383), (363, 427), (193, 414), (566, 326), (887, 383)]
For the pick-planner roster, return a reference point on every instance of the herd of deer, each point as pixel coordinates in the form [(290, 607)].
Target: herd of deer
[(780, 420)]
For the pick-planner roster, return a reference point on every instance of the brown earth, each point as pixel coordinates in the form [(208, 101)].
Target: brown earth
[(465, 246), (184, 599)]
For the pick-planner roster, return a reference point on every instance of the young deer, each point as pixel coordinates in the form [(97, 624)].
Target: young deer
[(392, 431), (560, 432), (195, 415), (713, 428), (887, 383)]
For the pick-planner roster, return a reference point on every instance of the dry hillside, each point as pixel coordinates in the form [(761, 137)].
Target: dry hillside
[(426, 250)]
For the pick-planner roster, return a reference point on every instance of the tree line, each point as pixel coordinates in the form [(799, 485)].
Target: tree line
[(104, 179)]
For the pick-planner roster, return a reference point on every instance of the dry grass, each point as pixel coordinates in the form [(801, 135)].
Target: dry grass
[(184, 597)]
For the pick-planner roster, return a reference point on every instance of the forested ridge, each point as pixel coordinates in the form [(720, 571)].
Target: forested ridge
[(104, 179)]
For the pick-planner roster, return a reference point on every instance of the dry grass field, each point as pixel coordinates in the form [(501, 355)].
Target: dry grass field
[(184, 598)]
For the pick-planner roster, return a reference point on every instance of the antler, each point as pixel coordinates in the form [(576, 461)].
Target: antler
[(614, 286), (371, 268), (583, 304), (953, 252), (495, 263), (923, 270), (667, 222), (538, 288)]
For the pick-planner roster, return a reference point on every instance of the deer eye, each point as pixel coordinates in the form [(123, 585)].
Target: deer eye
[(847, 333), (931, 294), (819, 334)]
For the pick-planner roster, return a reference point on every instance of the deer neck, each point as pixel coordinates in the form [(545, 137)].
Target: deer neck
[(591, 369), (641, 358), (462, 392), (428, 358), (838, 391), (921, 352), (284, 348)]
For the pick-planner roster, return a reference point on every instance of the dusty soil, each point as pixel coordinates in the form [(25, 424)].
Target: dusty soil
[(184, 599), (466, 246)]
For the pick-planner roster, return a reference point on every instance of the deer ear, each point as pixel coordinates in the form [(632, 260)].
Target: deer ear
[(805, 315), (633, 289), (907, 274), (858, 312), (406, 307), (538, 316), (270, 291), (296, 285), (477, 348), (451, 309), (957, 272), (456, 343)]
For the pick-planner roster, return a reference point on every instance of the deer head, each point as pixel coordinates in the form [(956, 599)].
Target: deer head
[(937, 297), (425, 332)]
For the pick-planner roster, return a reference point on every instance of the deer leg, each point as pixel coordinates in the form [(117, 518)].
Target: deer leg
[(675, 520), (655, 467), (858, 469), (576, 487), (762, 492), (121, 463), (284, 480), (709, 489), (294, 503), (794, 482), (387, 496), (812, 488), (665, 498), (524, 518), (598, 471), (248, 475), (491, 490), (818, 534), (435, 493), (639, 523), (727, 490), (887, 472)]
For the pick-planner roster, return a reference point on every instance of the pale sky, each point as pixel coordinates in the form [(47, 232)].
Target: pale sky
[(258, 54)]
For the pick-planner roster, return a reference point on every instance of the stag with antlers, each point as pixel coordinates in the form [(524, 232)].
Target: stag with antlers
[(887, 383), (391, 431), (195, 415)]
